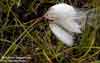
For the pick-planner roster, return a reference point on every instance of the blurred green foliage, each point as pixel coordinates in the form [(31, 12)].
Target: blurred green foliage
[(23, 33)]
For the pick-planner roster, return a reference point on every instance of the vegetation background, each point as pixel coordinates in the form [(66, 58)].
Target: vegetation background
[(24, 34)]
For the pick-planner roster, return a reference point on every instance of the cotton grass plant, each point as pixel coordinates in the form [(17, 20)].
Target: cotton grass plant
[(23, 35)]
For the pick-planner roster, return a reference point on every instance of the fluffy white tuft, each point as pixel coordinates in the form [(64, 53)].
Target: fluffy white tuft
[(64, 15)]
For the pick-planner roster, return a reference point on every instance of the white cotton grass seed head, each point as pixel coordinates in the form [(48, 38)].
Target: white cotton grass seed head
[(64, 22)]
